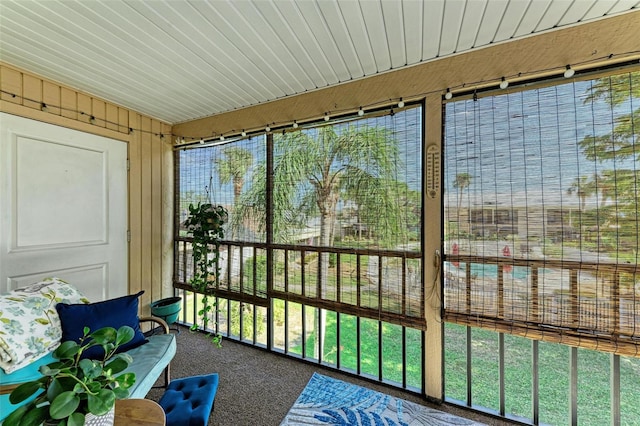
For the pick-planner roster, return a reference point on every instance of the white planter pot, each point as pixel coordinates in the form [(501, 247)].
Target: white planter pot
[(104, 420)]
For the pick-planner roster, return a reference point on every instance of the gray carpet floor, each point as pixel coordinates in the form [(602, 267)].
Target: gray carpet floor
[(257, 387)]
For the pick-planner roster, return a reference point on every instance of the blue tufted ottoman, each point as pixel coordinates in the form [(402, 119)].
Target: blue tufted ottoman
[(189, 401)]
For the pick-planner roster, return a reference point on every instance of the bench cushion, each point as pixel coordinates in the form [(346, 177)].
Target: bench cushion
[(189, 401), (25, 374), (149, 361)]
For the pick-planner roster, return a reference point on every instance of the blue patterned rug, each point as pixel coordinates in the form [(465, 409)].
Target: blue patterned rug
[(328, 401)]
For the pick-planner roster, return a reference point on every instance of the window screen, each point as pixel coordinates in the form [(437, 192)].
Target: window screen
[(541, 212), (344, 206), (223, 175)]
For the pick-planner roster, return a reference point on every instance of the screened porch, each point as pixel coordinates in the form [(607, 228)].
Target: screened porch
[(536, 284)]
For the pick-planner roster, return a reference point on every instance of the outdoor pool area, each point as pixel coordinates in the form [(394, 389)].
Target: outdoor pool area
[(484, 270)]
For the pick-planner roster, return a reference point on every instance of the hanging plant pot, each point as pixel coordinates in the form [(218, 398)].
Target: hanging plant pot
[(206, 225)]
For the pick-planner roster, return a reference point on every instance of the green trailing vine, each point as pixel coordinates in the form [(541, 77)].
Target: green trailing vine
[(205, 224)]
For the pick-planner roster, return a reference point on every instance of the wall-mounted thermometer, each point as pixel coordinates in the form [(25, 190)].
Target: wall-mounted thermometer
[(433, 170)]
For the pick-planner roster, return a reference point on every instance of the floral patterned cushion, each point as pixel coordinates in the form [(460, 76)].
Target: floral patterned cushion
[(29, 323)]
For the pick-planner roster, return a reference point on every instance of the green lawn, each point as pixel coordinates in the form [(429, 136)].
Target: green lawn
[(593, 370), (392, 361), (593, 378), (553, 364)]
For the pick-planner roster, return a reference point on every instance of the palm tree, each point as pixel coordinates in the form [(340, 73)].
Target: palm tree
[(619, 155), (313, 169), (232, 169), (461, 182), (582, 187)]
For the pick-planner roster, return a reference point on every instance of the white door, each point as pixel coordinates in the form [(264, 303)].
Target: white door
[(63, 208)]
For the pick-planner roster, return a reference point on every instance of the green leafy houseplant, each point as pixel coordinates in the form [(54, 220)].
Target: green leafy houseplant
[(74, 387), (206, 225)]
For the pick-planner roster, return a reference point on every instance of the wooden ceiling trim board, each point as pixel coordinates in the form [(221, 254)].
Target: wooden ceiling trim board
[(511, 19), (576, 12), (554, 14), (310, 56), (191, 49), (545, 51), (60, 120), (412, 13), (278, 65), (453, 17), (491, 19), (73, 67), (536, 9), (237, 65), (359, 36), (337, 27), (470, 26), (282, 36), (433, 22), (206, 50), (316, 22), (394, 28), (174, 29), (378, 42), (132, 59), (34, 59), (623, 5)]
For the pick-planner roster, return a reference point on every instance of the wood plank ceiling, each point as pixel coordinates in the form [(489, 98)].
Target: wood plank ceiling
[(182, 60)]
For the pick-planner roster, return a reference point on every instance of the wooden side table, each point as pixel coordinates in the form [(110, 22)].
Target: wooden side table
[(138, 412)]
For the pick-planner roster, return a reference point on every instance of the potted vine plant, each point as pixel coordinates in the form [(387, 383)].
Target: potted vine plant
[(77, 389), (206, 225)]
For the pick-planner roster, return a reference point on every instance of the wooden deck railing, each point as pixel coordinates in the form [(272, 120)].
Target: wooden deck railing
[(586, 304)]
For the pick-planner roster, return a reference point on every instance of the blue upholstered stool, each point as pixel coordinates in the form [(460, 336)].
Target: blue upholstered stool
[(189, 401)]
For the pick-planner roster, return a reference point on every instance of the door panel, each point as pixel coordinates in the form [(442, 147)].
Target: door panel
[(63, 204)]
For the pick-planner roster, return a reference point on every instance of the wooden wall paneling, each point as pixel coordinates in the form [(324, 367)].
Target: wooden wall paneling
[(167, 210), (135, 205), (11, 85), (31, 91), (99, 112), (156, 211), (112, 117), (146, 212), (61, 103), (51, 97), (123, 120), (84, 107), (69, 103)]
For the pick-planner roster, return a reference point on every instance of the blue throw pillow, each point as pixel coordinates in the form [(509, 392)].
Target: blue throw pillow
[(108, 313)]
